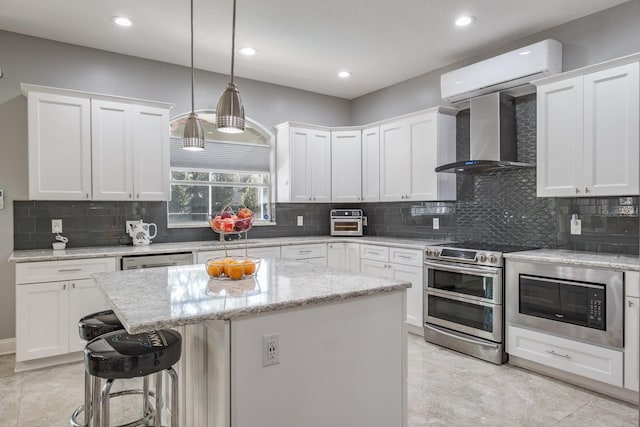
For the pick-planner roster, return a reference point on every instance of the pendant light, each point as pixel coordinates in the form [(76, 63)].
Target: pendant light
[(193, 137), (230, 112)]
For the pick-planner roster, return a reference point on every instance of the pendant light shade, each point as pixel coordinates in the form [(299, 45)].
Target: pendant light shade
[(230, 112), (193, 137)]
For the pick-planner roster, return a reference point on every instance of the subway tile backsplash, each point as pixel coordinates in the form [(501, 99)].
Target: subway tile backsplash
[(497, 207)]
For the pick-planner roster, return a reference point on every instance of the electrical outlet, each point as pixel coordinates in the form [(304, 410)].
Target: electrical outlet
[(300, 220), (270, 350), (576, 226), (436, 223), (56, 226), (128, 224)]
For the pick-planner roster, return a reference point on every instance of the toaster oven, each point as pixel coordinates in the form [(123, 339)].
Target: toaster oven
[(346, 222)]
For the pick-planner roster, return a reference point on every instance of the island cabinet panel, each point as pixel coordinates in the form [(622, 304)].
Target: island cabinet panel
[(327, 357), (344, 255), (631, 334)]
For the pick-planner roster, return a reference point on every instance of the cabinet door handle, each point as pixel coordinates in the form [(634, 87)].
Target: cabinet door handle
[(630, 303), (566, 356), (577, 191), (306, 251), (130, 195), (64, 286), (138, 195), (403, 256), (73, 285), (586, 189), (87, 195), (66, 270)]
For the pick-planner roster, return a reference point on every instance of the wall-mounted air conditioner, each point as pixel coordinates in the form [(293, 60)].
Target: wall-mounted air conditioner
[(510, 70)]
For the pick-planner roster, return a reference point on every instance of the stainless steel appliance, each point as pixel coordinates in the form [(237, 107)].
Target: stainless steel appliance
[(464, 298), (156, 260), (346, 222), (581, 303)]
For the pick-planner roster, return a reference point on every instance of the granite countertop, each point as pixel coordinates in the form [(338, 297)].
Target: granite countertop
[(163, 297), (587, 259), (32, 255)]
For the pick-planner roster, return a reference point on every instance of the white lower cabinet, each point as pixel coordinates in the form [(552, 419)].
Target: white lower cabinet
[(51, 297), (631, 328), (42, 320), (400, 264), (316, 253), (590, 361), (631, 353), (344, 255)]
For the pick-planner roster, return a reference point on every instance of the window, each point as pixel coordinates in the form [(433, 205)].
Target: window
[(233, 170)]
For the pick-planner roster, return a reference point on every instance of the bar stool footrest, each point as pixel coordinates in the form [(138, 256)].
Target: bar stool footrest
[(143, 421)]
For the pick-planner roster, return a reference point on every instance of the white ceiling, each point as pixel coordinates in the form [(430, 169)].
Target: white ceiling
[(301, 43)]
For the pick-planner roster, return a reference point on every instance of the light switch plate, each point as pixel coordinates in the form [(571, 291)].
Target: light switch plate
[(436, 223), (300, 220)]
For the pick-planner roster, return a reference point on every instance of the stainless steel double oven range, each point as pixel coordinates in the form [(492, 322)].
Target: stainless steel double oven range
[(464, 298)]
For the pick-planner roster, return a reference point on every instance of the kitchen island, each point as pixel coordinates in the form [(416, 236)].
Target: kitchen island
[(340, 336)]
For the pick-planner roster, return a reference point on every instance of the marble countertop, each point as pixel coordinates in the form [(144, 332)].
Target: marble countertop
[(587, 259), (32, 255), (163, 297)]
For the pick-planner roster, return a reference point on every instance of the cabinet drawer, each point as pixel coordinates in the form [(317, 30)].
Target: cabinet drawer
[(304, 251), (51, 271), (376, 253), (632, 283), (590, 361), (405, 256)]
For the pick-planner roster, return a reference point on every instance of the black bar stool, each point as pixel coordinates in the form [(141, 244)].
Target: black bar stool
[(120, 355), (90, 327)]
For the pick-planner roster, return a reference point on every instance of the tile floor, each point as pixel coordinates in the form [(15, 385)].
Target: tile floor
[(445, 389)]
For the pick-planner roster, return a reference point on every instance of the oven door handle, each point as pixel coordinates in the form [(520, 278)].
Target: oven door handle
[(478, 270), (440, 331)]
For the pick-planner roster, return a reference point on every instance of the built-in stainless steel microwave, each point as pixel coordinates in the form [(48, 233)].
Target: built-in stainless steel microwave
[(346, 222), (572, 301)]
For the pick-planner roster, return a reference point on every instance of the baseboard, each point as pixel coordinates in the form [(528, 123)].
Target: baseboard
[(7, 346)]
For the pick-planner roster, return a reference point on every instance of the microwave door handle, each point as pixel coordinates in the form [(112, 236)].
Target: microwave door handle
[(440, 331), (459, 269)]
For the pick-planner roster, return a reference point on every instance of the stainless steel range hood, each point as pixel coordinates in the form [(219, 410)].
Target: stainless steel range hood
[(493, 137)]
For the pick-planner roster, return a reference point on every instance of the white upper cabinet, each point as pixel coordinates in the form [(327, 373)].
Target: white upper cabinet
[(303, 157), (371, 164), (588, 132), (346, 166), (112, 150), (410, 150), (86, 146), (59, 147), (150, 153)]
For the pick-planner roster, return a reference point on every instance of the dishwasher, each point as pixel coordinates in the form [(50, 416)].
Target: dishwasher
[(133, 262)]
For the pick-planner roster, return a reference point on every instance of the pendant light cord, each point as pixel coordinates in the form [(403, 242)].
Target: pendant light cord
[(192, 70), (233, 39)]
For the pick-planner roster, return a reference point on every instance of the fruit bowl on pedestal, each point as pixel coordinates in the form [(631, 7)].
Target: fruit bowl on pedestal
[(229, 222)]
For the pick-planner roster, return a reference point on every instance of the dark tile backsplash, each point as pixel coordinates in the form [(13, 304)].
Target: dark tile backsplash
[(497, 207)]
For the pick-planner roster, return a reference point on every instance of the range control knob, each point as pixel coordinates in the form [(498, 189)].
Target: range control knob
[(493, 259), (429, 252), (482, 257)]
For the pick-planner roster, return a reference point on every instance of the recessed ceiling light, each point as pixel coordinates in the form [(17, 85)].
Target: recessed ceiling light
[(248, 51), (122, 21), (344, 74), (464, 20)]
